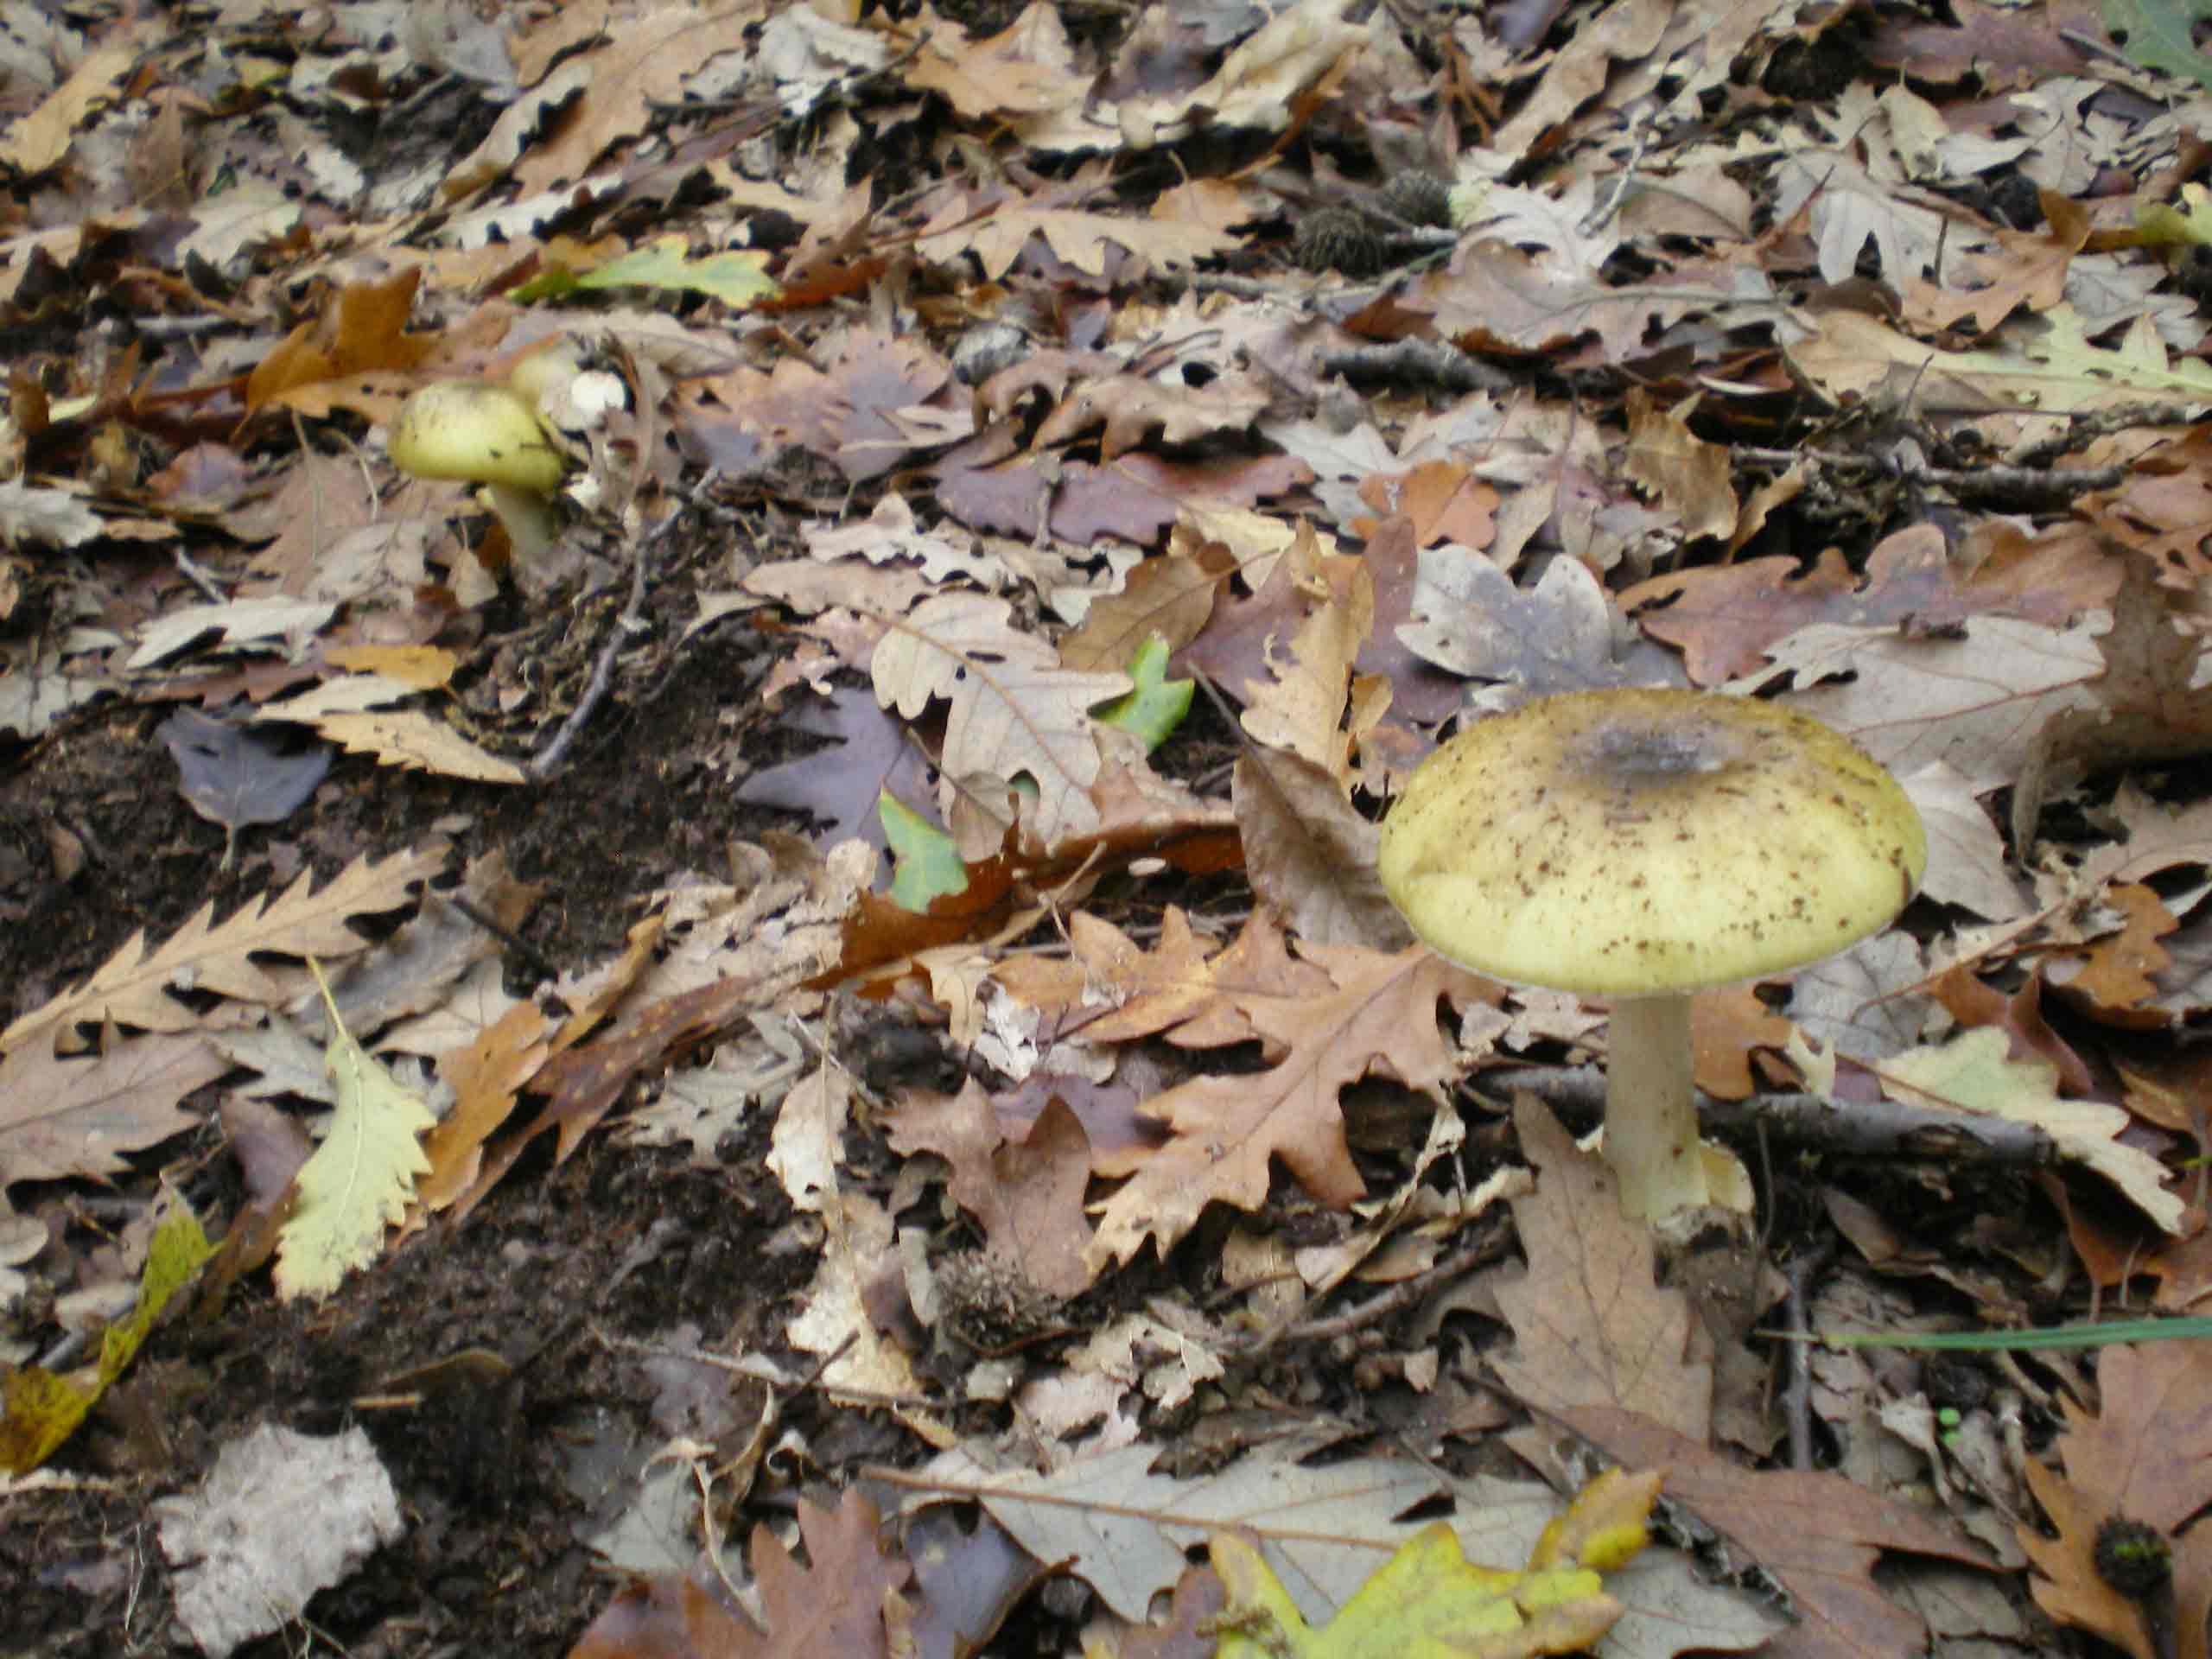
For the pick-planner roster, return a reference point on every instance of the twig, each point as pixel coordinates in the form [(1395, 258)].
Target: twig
[(2010, 484), (1797, 1397), (632, 621), (505, 934), (1873, 1129), (1433, 362), (1404, 1294), (1598, 217), (200, 578)]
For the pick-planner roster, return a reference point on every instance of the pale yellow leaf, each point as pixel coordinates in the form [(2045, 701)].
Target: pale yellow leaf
[(361, 1177), (1973, 1073), (407, 738)]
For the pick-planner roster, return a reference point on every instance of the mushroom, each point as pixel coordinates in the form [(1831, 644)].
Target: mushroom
[(487, 435), (1642, 845)]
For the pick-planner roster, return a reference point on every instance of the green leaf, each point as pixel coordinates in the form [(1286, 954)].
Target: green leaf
[(1156, 708), (924, 863), (2157, 34), (361, 1179), (172, 1260), (738, 278), (43, 1408)]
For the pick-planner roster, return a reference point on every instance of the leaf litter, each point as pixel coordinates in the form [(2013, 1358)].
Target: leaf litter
[(941, 398)]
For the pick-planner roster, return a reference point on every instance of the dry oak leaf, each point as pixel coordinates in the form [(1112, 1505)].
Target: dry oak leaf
[(1076, 238), (641, 68), (1300, 708), (1108, 980), (1687, 473), (1029, 1194), (361, 338), (2146, 1457), (1014, 708), (2120, 973), (1591, 1326), (2026, 270), (1130, 406), (1311, 854), (1978, 700), (1381, 1020), (60, 1118), (38, 140), (132, 987), (796, 934), (1028, 68), (2159, 837), (840, 1602), (415, 741), (844, 1602), (485, 1077), (1171, 594), (1175, 990), (1820, 1533), (1441, 500), (1724, 617), (1287, 62)]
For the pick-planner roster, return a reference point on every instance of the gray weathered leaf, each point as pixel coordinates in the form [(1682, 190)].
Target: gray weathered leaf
[(235, 778)]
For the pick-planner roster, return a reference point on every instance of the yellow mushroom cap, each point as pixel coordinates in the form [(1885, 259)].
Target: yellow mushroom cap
[(1642, 842), (476, 431)]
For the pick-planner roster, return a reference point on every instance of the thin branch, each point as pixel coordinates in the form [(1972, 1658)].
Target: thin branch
[(1873, 1129), (548, 761)]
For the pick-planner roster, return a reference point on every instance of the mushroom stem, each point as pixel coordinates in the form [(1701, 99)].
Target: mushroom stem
[(1651, 1140), (532, 525)]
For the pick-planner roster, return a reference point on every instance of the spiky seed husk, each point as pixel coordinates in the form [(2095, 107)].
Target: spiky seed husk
[(2132, 1557), (1419, 198), (1338, 238)]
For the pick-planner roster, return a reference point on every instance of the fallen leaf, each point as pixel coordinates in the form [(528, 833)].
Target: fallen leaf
[(1591, 1325), (1819, 1534), (840, 1602), (65, 1117), (1724, 616), (1014, 708), (280, 1517), (410, 739), (1973, 1073), (2144, 1458), (132, 987), (1225, 1129), (40, 138), (234, 777), (360, 1179), (1028, 1194), (1299, 707), (1175, 990), (43, 1409), (1310, 852), (1688, 475), (1427, 1597), (1470, 617)]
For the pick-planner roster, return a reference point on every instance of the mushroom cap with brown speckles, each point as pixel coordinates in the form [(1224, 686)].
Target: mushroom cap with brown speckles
[(1636, 843), (474, 430)]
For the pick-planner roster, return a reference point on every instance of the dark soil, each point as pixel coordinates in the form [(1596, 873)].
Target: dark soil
[(553, 1273)]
